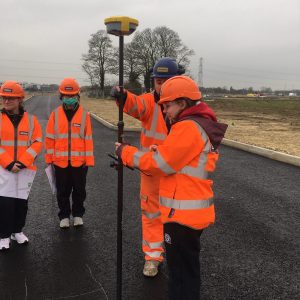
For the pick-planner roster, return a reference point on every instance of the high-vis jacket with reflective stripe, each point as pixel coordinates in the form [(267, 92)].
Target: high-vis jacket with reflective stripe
[(184, 161), (145, 109), (21, 144), (69, 141), (154, 131)]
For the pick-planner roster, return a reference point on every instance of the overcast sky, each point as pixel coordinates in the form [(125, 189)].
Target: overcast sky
[(243, 42)]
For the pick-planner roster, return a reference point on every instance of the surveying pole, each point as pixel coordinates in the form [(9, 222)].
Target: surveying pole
[(120, 26)]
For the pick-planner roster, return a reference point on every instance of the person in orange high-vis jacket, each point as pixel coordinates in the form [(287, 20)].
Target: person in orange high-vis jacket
[(20, 143), (183, 162), (154, 131), (69, 147)]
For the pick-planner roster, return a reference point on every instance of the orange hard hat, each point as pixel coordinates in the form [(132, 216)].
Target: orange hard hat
[(69, 86), (12, 89), (179, 87)]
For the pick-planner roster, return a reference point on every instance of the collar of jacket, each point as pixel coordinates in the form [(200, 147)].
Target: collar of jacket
[(156, 96), (14, 118), (206, 118), (21, 112)]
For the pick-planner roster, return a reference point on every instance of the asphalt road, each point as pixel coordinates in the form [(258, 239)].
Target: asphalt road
[(252, 251)]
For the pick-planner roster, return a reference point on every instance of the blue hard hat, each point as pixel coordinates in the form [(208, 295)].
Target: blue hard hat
[(166, 67)]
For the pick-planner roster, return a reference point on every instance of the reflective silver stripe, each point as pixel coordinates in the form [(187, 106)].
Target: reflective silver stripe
[(144, 149), (65, 136), (151, 215), (88, 137), (38, 140), (22, 143), (83, 120), (199, 171), (9, 143), (49, 151), (133, 109), (31, 152), (136, 158), (56, 122), (2, 150), (61, 136), (185, 204), (156, 135), (152, 132), (31, 122), (74, 153), (12, 143), (61, 153), (154, 254), (153, 245), (144, 108), (161, 163), (50, 136)]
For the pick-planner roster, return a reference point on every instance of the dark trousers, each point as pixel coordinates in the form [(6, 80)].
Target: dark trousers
[(70, 180), (13, 212), (183, 259)]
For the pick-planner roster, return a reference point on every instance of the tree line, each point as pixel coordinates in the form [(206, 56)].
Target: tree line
[(140, 56)]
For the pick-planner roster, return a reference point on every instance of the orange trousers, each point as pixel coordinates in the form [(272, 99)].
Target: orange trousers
[(152, 227)]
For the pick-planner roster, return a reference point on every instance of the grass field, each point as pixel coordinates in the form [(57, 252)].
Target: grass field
[(272, 124), (280, 107)]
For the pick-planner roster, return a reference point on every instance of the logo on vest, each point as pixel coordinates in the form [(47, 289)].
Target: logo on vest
[(76, 125), (23, 133), (168, 239)]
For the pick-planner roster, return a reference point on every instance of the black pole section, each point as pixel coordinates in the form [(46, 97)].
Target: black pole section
[(120, 174)]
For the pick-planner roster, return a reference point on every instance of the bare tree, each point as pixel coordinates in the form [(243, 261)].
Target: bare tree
[(143, 47), (150, 45), (88, 69), (132, 67), (167, 41), (100, 59)]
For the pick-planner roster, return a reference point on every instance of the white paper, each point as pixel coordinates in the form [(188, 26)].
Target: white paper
[(16, 185), (51, 177)]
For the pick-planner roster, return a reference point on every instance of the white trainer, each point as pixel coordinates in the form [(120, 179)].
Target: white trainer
[(151, 268), (4, 244), (78, 221), (19, 237), (64, 223)]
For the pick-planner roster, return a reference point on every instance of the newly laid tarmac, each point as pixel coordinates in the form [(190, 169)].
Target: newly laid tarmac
[(252, 251)]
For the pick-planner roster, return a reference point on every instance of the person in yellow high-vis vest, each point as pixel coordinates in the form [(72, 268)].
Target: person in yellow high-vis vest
[(69, 147), (20, 143)]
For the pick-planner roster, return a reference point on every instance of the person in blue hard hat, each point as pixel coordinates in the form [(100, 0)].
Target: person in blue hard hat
[(155, 127)]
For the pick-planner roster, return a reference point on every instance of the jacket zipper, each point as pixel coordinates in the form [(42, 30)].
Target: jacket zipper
[(16, 143), (69, 140)]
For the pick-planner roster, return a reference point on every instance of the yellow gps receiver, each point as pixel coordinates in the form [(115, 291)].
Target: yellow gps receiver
[(120, 26)]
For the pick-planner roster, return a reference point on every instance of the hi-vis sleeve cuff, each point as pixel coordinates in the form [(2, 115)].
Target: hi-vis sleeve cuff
[(5, 158), (127, 155), (150, 162)]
